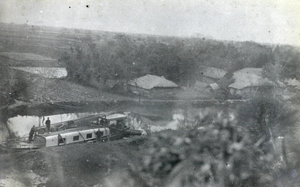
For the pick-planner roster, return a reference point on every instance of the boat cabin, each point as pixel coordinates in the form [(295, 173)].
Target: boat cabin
[(75, 136), (101, 128), (112, 120)]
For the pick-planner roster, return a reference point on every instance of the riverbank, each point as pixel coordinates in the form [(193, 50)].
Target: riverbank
[(73, 165)]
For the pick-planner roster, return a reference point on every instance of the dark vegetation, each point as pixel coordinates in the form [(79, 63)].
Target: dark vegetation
[(267, 117), (217, 155), (12, 85), (124, 57), (225, 152)]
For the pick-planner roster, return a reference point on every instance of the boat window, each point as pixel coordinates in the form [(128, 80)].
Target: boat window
[(89, 135), (75, 138)]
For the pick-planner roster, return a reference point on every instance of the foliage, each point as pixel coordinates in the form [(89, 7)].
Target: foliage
[(220, 154), (124, 57), (267, 116), (283, 64), (93, 57), (13, 85)]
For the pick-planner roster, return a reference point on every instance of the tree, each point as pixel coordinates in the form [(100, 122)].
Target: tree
[(13, 85), (272, 71), (266, 116)]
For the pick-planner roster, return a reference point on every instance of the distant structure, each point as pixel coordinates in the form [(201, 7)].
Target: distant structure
[(153, 86), (213, 86), (208, 81), (214, 73), (250, 81)]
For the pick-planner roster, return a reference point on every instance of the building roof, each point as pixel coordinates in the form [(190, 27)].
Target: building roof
[(214, 73), (152, 81), (116, 116), (214, 86), (249, 77)]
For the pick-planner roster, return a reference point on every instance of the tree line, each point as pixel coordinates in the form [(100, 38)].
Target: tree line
[(124, 57)]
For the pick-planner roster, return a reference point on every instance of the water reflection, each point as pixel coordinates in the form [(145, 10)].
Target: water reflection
[(21, 125), (47, 72)]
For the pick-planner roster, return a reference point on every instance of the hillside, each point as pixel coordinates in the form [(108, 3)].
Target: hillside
[(94, 57)]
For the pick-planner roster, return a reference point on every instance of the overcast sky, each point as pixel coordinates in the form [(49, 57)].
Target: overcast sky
[(264, 21)]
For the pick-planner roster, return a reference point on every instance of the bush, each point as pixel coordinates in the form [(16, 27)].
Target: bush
[(220, 154), (266, 116)]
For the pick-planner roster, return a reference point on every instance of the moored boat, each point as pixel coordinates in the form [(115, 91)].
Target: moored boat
[(98, 128)]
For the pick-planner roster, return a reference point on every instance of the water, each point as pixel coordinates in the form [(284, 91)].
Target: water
[(170, 125), (47, 72), (21, 125)]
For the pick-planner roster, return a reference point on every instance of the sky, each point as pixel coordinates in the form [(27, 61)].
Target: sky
[(263, 21)]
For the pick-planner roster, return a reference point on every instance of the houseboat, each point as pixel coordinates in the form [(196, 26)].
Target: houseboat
[(97, 128)]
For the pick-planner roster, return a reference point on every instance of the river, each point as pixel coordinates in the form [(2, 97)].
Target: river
[(21, 125)]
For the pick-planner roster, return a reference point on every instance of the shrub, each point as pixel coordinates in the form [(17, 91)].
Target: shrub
[(266, 116), (220, 154)]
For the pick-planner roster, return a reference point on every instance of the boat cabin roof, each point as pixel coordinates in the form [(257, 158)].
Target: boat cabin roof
[(71, 130), (115, 116)]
